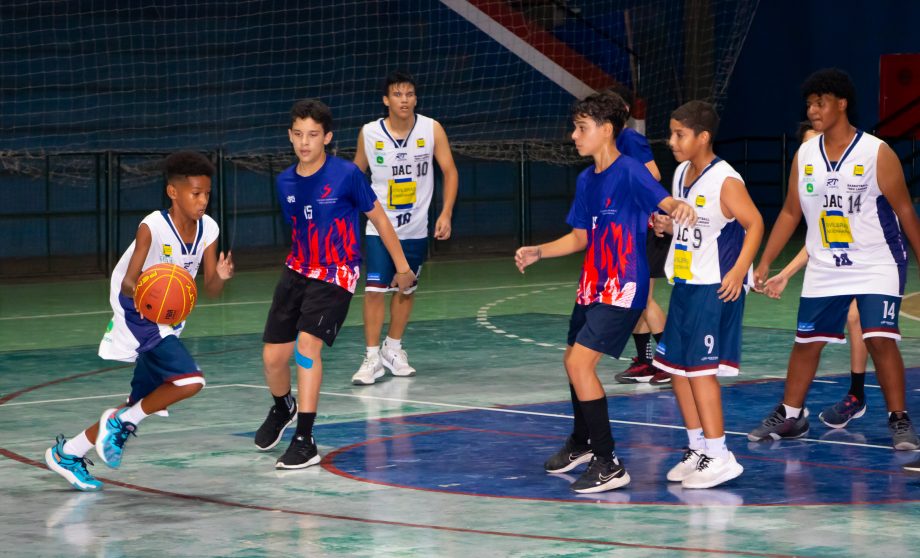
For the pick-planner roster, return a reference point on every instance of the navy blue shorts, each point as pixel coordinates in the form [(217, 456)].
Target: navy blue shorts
[(702, 335), (602, 327), (823, 318), (169, 361), (379, 265)]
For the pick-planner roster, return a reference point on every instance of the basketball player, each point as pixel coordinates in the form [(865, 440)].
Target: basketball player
[(849, 187), (165, 373), (320, 196), (399, 150), (853, 404), (710, 265), (609, 219), (651, 324)]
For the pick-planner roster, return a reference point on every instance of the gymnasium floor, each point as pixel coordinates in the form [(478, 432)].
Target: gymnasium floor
[(448, 463)]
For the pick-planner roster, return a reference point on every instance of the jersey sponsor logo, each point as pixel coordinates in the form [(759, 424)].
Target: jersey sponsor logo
[(291, 199), (700, 201), (806, 326), (401, 156), (379, 159), (858, 170), (810, 188), (607, 203), (420, 142), (378, 145), (167, 250), (326, 191), (809, 170)]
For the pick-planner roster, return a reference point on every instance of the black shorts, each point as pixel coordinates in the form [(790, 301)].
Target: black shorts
[(656, 250), (309, 305), (602, 327)]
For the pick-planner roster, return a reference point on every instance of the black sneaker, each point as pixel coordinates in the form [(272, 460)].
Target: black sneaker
[(300, 454), (602, 475), (570, 456), (269, 434), (777, 426)]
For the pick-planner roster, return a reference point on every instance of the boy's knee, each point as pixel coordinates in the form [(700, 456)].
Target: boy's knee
[(190, 386), (876, 344)]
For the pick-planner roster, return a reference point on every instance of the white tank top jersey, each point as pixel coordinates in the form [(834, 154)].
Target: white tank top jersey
[(854, 241), (704, 253), (119, 343), (402, 174)]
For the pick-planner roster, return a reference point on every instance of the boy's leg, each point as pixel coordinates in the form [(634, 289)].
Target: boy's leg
[(302, 451), (695, 440), (577, 449), (374, 316), (889, 369), (853, 404), (392, 354)]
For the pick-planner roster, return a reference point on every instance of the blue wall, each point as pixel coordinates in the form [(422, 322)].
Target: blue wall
[(789, 39)]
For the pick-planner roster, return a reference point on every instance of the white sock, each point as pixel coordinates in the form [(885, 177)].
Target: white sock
[(373, 351), (792, 412), (715, 447), (695, 438), (79, 445), (395, 344), (134, 414)]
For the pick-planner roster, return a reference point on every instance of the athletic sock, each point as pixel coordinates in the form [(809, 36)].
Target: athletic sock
[(643, 347), (858, 386), (79, 445), (580, 433), (715, 447), (695, 439), (285, 402), (598, 420), (134, 414), (373, 351), (395, 344), (792, 412), (305, 425)]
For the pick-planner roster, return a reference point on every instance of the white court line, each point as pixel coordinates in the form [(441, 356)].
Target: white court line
[(222, 304), (824, 381), (122, 395)]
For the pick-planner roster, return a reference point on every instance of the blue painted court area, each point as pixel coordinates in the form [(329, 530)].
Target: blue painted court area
[(499, 452)]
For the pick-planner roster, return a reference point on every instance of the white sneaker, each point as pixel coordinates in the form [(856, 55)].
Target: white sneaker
[(686, 466), (713, 471), (396, 361), (370, 370)]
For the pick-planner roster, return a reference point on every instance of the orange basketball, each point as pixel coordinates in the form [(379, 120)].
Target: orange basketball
[(165, 294)]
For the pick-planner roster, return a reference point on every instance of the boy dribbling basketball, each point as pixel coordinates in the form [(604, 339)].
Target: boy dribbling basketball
[(165, 373)]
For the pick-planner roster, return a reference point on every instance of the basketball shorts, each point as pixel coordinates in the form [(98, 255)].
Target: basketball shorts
[(824, 318), (702, 334), (380, 268), (309, 305), (168, 361), (602, 327), (656, 251)]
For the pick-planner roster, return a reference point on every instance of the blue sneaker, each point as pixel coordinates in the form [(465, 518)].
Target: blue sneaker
[(113, 433), (71, 467), (842, 412)]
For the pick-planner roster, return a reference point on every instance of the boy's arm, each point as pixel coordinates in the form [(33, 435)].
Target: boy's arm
[(378, 217), (217, 270), (891, 183), (680, 211), (777, 284), (445, 159), (360, 156), (783, 228), (142, 241), (737, 203), (573, 242), (653, 169)]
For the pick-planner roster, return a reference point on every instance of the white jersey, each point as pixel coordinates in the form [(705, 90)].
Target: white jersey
[(402, 174), (126, 335), (854, 241), (704, 253)]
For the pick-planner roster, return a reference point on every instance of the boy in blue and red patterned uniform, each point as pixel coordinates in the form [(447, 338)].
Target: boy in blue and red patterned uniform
[(609, 217), (320, 197)]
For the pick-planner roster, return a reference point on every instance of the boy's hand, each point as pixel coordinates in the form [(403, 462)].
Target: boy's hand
[(661, 225), (775, 286), (684, 214), (225, 266), (442, 228), (403, 281), (760, 277), (526, 255), (732, 284)]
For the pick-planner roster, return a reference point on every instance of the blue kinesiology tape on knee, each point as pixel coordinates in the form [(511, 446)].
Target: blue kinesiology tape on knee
[(302, 359)]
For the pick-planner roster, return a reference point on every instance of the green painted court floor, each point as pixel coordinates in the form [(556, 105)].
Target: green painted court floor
[(193, 484)]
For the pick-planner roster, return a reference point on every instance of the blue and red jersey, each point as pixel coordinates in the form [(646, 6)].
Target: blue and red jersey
[(632, 143), (613, 206), (323, 212)]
